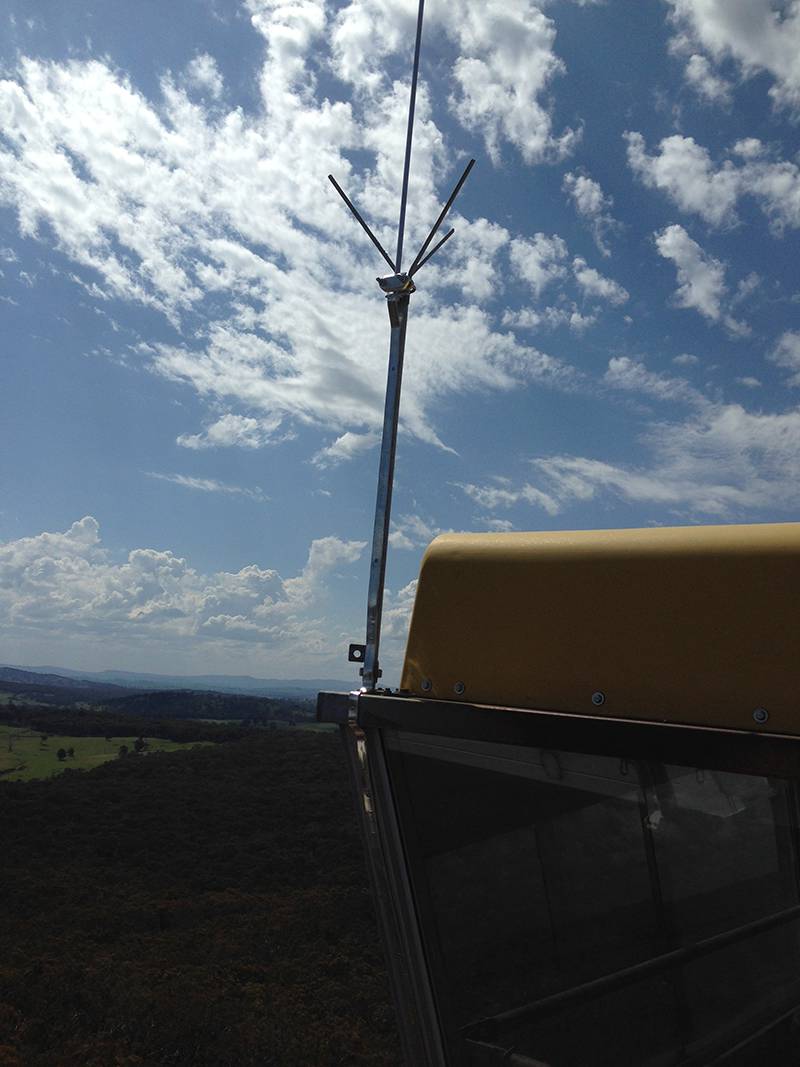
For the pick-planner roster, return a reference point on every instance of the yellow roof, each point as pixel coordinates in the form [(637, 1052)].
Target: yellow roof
[(681, 624)]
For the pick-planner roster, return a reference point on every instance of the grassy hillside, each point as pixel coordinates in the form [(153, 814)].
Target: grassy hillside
[(24, 756), (206, 908)]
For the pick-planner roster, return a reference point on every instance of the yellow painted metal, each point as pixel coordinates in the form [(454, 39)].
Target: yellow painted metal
[(681, 624)]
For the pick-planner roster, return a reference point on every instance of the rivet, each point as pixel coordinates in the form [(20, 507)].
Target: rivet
[(761, 715), (598, 698), (427, 685), (459, 688)]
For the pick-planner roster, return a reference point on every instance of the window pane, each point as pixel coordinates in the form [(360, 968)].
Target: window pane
[(537, 871)]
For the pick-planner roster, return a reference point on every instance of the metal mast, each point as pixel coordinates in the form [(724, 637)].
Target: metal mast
[(398, 287)]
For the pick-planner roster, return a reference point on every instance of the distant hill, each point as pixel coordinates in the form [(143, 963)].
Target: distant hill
[(205, 704), (302, 688), (56, 689)]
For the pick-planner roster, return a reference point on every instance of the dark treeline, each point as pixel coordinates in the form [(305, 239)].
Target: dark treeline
[(70, 692), (199, 908), (188, 703), (95, 722)]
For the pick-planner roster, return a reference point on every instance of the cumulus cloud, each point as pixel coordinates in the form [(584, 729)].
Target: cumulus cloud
[(701, 278), (506, 62), (59, 582), (710, 86), (723, 462), (203, 73), (685, 171), (758, 35), (232, 431), (594, 284), (786, 354), (538, 260), (592, 204)]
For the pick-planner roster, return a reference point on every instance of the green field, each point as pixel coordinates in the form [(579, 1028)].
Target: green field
[(24, 757)]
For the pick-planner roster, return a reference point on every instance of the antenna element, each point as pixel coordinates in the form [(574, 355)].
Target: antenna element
[(398, 287)]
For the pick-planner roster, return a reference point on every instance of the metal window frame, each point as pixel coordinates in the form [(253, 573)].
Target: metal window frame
[(427, 1031)]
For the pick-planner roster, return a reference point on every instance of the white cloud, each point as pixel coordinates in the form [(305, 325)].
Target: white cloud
[(685, 171), (594, 284), (232, 430), (505, 65), (759, 35), (203, 73), (397, 616), (222, 218), (632, 376), (207, 485), (722, 462), (344, 448), (592, 204), (786, 353), (748, 148), (686, 359), (412, 532), (549, 318), (67, 582), (492, 497), (701, 278), (538, 260), (700, 75)]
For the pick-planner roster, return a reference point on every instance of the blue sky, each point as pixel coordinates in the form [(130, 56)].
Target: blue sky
[(193, 347)]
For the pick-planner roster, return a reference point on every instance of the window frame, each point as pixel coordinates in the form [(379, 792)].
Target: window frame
[(430, 1036)]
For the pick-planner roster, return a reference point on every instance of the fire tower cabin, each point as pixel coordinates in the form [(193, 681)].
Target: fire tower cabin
[(581, 811)]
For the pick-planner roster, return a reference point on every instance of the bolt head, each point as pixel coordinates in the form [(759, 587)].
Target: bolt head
[(459, 688), (761, 715), (427, 685), (598, 698)]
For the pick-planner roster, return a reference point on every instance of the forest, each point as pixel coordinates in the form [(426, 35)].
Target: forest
[(201, 907)]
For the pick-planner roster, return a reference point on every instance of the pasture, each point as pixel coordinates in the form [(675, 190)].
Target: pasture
[(25, 756)]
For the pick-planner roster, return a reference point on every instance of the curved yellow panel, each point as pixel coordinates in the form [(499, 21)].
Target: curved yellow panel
[(682, 624)]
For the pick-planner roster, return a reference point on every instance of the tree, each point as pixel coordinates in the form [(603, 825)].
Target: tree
[(43, 740), (71, 752), (139, 744), (123, 751), (62, 753)]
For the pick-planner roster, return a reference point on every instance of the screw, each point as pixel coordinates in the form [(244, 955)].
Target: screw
[(761, 715), (459, 688), (598, 698), (427, 685)]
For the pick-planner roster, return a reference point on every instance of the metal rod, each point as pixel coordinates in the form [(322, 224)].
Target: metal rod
[(409, 134), (489, 1028), (360, 220), (432, 252), (442, 214), (398, 317)]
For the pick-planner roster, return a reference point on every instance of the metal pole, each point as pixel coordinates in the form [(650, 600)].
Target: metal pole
[(397, 304), (409, 133)]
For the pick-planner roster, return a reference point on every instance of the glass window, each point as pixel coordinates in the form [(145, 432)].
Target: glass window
[(537, 871)]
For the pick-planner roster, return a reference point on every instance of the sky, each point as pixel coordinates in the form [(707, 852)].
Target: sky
[(193, 348)]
